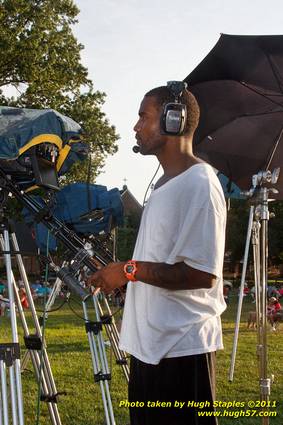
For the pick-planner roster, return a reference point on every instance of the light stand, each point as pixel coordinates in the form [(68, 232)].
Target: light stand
[(259, 217)]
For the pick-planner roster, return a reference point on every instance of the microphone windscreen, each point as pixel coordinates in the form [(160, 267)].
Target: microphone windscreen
[(136, 149)]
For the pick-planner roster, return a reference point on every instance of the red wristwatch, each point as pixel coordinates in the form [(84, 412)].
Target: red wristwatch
[(130, 269)]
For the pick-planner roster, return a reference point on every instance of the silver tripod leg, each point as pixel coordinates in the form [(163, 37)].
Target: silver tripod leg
[(41, 365), (113, 336), (54, 293), (11, 360), (4, 395), (99, 360), (241, 296)]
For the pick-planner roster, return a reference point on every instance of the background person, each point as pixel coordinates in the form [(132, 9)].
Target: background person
[(171, 324), (274, 311), (23, 298)]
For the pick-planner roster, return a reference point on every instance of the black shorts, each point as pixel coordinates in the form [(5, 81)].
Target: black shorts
[(175, 382)]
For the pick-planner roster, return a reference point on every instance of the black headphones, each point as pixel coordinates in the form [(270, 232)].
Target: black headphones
[(174, 116)]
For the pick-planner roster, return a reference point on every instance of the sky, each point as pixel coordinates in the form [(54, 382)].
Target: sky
[(131, 46)]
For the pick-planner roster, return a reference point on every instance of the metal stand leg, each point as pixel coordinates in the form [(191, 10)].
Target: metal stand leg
[(241, 296), (10, 353), (43, 371), (54, 293), (99, 360), (34, 342), (113, 335)]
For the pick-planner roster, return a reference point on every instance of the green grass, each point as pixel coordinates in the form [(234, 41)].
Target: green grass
[(69, 355)]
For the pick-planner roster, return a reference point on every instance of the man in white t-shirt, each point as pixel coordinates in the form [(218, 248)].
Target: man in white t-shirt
[(171, 324)]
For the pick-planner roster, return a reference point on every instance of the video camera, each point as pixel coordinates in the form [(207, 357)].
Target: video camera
[(36, 146)]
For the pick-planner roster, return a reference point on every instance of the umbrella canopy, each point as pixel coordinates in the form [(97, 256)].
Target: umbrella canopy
[(239, 87), (254, 59)]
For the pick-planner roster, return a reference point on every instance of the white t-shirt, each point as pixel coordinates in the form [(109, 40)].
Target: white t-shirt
[(184, 220)]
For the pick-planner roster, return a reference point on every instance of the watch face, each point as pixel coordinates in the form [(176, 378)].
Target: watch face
[(129, 268)]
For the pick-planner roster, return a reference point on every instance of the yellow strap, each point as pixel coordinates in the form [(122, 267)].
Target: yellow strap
[(62, 156), (47, 138)]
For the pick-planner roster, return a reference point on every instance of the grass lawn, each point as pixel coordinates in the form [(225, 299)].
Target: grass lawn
[(69, 355)]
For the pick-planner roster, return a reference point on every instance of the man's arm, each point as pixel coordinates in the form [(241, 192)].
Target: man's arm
[(177, 276)]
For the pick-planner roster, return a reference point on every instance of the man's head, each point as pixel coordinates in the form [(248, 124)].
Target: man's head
[(149, 132)]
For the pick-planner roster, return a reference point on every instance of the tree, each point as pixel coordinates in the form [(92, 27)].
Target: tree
[(40, 57), (237, 226), (127, 235), (236, 232)]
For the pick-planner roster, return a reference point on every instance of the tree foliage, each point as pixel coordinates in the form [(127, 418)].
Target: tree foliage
[(41, 58), (127, 235), (237, 227)]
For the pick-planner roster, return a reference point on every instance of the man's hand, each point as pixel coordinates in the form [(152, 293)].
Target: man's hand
[(109, 277)]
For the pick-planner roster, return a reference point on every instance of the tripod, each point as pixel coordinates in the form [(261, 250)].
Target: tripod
[(107, 320), (258, 232), (84, 254), (33, 342), (94, 332), (10, 353), (99, 358)]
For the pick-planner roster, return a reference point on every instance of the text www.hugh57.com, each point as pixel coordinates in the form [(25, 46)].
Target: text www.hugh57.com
[(237, 413)]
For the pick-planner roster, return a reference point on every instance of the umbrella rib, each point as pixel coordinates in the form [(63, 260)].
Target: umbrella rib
[(259, 114), (273, 70), (274, 150), (260, 93)]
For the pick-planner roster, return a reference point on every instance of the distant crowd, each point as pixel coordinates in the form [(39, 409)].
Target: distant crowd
[(38, 290), (274, 306)]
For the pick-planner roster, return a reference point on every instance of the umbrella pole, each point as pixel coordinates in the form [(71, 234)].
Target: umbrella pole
[(260, 250)]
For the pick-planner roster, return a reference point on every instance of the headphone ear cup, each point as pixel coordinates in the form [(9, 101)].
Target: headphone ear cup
[(174, 118)]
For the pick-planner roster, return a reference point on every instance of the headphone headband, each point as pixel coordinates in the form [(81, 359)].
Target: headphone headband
[(174, 115), (177, 88)]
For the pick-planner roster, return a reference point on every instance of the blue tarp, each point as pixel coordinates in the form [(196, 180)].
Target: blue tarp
[(77, 206), (22, 128), (18, 126), (230, 189)]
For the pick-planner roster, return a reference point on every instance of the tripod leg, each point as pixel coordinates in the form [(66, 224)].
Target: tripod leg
[(264, 380), (54, 293), (25, 360), (16, 385), (113, 336), (240, 302), (13, 395), (4, 394), (104, 362), (43, 373), (95, 341)]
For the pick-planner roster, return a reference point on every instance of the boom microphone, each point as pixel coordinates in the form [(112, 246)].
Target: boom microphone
[(136, 149)]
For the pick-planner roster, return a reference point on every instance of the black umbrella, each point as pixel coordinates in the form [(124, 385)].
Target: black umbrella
[(239, 87)]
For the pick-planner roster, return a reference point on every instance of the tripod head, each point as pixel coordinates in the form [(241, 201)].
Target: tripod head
[(259, 192)]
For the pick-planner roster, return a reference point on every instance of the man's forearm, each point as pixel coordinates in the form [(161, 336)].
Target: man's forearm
[(176, 276)]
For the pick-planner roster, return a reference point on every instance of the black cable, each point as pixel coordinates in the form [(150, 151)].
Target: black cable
[(89, 203), (75, 313), (102, 320), (148, 187), (53, 309)]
